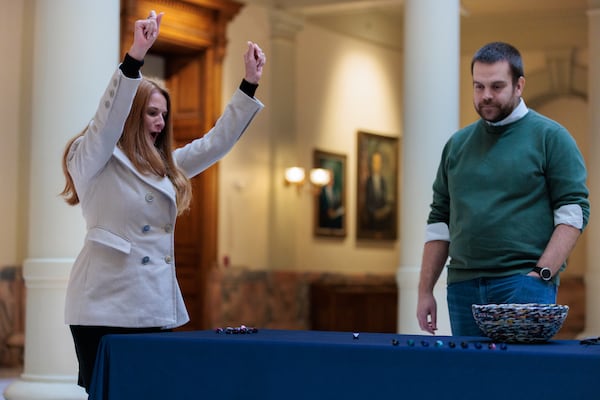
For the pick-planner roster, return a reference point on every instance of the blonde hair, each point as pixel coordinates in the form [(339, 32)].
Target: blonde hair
[(148, 159)]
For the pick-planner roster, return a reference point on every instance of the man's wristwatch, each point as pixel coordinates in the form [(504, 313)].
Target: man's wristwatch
[(545, 272)]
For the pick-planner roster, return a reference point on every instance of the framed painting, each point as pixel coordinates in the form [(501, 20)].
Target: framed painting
[(330, 200), (377, 187)]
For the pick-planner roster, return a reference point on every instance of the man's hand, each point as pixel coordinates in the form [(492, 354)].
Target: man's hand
[(427, 313)]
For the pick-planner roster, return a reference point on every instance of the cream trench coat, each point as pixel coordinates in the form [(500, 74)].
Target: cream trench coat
[(125, 274)]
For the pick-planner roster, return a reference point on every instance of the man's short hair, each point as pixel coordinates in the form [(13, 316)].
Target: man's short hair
[(495, 52)]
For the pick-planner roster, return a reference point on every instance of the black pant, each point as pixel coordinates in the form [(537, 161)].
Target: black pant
[(87, 341)]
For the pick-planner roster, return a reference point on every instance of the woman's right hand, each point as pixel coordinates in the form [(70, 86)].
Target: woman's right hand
[(145, 32), (254, 61)]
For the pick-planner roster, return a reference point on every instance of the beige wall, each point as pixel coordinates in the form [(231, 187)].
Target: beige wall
[(343, 85), (244, 173), (11, 37), (350, 85)]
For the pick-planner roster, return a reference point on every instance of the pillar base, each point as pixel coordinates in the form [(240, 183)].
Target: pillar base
[(44, 388)]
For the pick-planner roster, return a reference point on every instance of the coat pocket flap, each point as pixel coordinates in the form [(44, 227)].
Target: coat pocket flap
[(109, 239)]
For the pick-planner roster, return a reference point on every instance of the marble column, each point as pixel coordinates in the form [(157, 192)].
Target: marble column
[(284, 200), (592, 276), (71, 47), (431, 115)]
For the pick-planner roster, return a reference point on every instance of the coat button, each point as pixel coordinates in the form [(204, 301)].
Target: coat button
[(168, 259), (146, 228), (145, 260), (107, 104), (149, 197), (168, 228)]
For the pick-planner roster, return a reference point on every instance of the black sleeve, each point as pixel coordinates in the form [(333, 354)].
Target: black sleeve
[(248, 88), (131, 67)]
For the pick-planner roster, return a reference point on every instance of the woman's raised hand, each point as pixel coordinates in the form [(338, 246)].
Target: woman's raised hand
[(254, 60), (145, 32)]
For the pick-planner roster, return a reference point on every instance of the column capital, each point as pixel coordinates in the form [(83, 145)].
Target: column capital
[(285, 25)]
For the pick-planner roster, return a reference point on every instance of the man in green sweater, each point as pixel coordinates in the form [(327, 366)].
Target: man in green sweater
[(509, 201)]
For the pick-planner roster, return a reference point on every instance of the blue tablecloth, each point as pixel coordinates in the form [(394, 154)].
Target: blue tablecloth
[(288, 365)]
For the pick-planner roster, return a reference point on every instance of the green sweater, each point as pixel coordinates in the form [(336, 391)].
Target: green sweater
[(497, 188)]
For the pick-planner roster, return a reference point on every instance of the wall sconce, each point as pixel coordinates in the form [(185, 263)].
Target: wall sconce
[(318, 177), (295, 176)]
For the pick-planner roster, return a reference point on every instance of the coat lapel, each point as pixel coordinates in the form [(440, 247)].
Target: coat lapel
[(163, 184)]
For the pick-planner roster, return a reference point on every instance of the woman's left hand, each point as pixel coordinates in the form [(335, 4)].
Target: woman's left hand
[(145, 33), (254, 60)]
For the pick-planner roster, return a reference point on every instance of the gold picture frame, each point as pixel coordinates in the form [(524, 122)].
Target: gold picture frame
[(330, 200), (377, 186)]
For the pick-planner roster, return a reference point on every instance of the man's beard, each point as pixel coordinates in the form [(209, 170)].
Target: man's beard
[(499, 111)]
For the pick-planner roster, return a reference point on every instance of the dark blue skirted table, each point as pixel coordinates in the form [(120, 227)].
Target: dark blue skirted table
[(289, 365)]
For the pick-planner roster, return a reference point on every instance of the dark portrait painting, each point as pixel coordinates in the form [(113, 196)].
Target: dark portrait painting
[(377, 187), (330, 200)]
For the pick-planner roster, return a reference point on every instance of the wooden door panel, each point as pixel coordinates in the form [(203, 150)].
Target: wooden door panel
[(184, 76)]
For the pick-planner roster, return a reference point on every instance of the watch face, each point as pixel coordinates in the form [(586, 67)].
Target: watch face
[(546, 274)]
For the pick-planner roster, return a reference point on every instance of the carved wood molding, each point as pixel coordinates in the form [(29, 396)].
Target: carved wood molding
[(189, 25)]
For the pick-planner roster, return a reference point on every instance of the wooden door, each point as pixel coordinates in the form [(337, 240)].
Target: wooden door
[(192, 43)]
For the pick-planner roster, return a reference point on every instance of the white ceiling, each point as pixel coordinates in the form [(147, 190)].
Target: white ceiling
[(473, 8), (380, 21)]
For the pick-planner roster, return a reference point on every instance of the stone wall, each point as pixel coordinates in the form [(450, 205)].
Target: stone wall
[(276, 299), (12, 316)]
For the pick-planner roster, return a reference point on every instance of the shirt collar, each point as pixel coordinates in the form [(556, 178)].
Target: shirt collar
[(519, 112)]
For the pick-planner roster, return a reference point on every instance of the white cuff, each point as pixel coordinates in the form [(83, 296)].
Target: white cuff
[(437, 231), (570, 214)]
